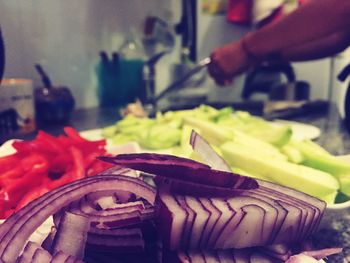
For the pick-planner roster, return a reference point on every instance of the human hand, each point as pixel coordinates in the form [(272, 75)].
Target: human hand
[(229, 61)]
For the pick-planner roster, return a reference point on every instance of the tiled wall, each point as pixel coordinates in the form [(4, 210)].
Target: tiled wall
[(66, 36)]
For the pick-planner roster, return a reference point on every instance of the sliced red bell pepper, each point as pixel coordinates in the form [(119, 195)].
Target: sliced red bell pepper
[(9, 162), (31, 172), (51, 142), (77, 171), (13, 173)]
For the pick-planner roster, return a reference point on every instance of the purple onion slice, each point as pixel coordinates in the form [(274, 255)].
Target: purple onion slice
[(41, 256), (71, 235), (207, 153), (182, 169), (28, 252), (16, 230)]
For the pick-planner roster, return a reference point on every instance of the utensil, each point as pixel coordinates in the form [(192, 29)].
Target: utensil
[(52, 103), (178, 83), (2, 56), (44, 77)]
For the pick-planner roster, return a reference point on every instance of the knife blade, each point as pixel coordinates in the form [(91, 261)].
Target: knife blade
[(177, 84)]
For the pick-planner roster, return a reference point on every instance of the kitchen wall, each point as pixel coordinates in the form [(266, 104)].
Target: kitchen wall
[(66, 36)]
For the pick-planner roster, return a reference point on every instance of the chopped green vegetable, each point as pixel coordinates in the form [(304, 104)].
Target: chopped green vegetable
[(253, 147), (302, 178)]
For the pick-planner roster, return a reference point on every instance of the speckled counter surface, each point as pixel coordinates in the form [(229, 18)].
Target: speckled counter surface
[(334, 136)]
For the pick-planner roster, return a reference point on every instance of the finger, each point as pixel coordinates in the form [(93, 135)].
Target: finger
[(213, 70), (227, 82), (223, 81)]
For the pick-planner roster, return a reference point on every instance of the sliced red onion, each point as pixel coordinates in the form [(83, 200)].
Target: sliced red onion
[(224, 256), (116, 232), (241, 255), (47, 243), (210, 256), (199, 223), (227, 215), (323, 253), (118, 197), (257, 257), (122, 215), (105, 202), (181, 168), (169, 225), (175, 186), (16, 229), (156, 161), (71, 235), (302, 258), (84, 206), (214, 215), (59, 257), (196, 256), (280, 252), (207, 153), (120, 240), (28, 252), (281, 215), (189, 221), (182, 257), (246, 220), (41, 256), (312, 207), (71, 259), (255, 223), (117, 170)]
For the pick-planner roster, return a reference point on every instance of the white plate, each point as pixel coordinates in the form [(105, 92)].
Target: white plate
[(300, 130), (95, 134)]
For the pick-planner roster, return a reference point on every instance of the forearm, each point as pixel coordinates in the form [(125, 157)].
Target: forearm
[(312, 21), (318, 48)]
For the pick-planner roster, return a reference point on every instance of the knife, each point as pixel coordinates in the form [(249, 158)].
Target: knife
[(177, 84)]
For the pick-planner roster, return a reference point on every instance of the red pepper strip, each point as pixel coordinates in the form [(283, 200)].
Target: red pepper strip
[(35, 162), (77, 171), (5, 204), (98, 167), (9, 213), (32, 195), (20, 186), (16, 188), (61, 163), (92, 157), (29, 146), (13, 173), (74, 134), (51, 142), (8, 162), (83, 144)]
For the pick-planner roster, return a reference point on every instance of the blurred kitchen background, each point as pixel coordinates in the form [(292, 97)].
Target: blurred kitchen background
[(66, 37)]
